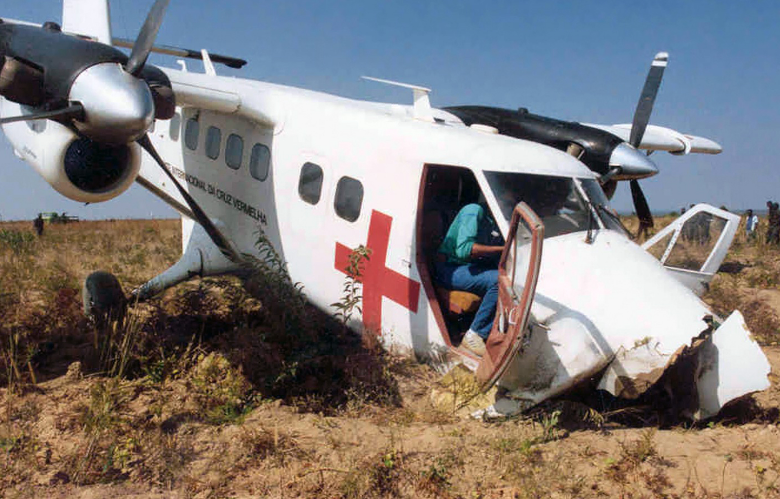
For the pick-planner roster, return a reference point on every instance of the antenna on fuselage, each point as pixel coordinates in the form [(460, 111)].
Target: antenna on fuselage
[(422, 104)]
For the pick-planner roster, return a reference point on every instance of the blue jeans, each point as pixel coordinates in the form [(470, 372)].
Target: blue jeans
[(474, 278)]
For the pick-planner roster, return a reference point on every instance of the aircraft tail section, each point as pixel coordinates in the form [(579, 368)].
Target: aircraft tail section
[(88, 18)]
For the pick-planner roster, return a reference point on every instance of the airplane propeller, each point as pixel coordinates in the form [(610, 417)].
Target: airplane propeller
[(94, 89), (644, 109), (145, 41)]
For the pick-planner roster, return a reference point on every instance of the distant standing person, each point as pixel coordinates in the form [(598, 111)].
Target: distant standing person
[(38, 225), (751, 224), (773, 231)]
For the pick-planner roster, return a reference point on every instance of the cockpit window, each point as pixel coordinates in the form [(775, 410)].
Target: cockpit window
[(596, 195), (557, 200)]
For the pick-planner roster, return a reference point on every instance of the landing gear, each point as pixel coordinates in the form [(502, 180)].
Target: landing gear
[(104, 300)]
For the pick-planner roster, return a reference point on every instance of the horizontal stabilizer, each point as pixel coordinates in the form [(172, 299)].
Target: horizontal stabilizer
[(658, 138), (231, 62)]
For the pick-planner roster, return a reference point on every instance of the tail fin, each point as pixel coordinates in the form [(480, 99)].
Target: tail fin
[(88, 18)]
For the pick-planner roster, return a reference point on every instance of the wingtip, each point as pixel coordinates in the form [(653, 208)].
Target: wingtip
[(661, 59)]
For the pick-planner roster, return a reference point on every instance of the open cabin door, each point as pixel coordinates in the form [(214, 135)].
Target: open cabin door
[(518, 272), (693, 246)]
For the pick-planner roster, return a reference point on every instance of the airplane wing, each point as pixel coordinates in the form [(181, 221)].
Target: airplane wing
[(658, 138)]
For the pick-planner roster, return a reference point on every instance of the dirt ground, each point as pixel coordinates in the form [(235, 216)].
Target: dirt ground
[(409, 451), (70, 432)]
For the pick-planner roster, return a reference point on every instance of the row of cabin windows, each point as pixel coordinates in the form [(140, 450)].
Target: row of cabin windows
[(259, 159), (349, 192)]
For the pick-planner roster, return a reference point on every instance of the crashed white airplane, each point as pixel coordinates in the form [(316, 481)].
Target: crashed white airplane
[(322, 175)]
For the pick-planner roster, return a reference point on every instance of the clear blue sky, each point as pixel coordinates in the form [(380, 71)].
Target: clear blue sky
[(577, 60)]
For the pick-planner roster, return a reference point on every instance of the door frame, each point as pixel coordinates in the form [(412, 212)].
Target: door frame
[(507, 335)]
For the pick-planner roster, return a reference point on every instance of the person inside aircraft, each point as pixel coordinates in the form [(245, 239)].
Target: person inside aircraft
[(472, 247)]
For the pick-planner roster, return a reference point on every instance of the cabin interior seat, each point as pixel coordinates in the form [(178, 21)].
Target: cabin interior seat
[(452, 301)]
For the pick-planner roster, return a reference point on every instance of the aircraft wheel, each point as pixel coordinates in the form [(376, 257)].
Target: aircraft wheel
[(103, 297)]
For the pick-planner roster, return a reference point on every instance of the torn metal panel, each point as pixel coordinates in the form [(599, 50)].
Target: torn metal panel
[(633, 321), (731, 365), (634, 371)]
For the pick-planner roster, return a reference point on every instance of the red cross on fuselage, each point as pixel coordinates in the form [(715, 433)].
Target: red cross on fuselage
[(377, 279)]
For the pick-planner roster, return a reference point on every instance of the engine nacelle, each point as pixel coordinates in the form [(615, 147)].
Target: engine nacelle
[(77, 167)]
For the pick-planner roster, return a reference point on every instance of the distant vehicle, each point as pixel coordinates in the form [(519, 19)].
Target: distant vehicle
[(57, 218)]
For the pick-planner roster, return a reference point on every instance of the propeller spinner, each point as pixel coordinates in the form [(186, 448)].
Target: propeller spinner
[(118, 107)]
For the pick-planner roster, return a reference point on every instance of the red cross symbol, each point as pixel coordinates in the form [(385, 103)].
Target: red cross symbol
[(377, 279)]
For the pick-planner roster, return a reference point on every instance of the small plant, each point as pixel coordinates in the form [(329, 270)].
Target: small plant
[(383, 476), (269, 280), (632, 455), (17, 360), (103, 412), (550, 426), (102, 422), (351, 292), (19, 242), (311, 360), (436, 478), (221, 390)]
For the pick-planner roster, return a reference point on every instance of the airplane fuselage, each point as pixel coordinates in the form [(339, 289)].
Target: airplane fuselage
[(380, 148)]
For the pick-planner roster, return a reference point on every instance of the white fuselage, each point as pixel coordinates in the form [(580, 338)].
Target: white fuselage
[(381, 146)]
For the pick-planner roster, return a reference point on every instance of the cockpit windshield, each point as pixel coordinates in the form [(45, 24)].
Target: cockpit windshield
[(598, 199), (559, 202)]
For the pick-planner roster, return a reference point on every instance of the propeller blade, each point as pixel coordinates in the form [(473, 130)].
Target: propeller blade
[(145, 41), (72, 111), (609, 188), (641, 206), (214, 233), (646, 100)]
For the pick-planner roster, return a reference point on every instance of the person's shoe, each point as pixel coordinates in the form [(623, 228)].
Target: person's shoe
[(473, 342)]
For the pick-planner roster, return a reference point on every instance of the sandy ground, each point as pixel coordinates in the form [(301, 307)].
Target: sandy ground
[(85, 437), (409, 451)]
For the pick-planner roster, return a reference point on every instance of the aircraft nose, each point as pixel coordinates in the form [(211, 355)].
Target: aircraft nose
[(599, 304), (634, 163)]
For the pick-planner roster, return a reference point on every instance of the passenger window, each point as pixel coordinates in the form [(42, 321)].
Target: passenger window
[(234, 151), (175, 125), (259, 162), (349, 198), (213, 142), (191, 133), (310, 183)]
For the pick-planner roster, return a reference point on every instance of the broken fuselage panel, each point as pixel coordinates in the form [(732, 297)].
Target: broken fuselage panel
[(623, 326)]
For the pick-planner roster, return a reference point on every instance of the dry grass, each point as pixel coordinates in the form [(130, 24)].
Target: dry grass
[(206, 392)]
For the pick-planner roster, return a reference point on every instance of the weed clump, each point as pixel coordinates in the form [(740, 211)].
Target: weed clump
[(220, 390), (300, 354)]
